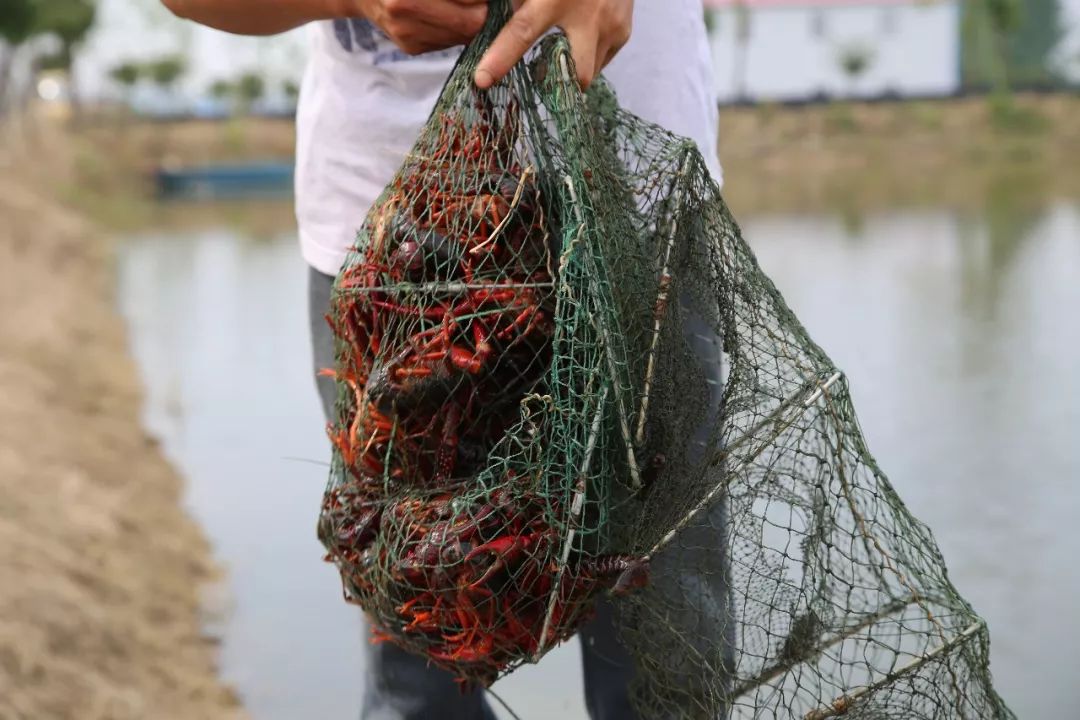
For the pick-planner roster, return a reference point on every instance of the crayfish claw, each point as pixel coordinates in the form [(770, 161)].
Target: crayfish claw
[(634, 577)]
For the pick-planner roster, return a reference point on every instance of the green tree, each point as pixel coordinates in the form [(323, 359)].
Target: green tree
[(1009, 41), (1037, 33), (126, 74), (710, 20), (1003, 17), (855, 59), (250, 88), (743, 29), (69, 20), (221, 89), (53, 61), (165, 71), (17, 23), (291, 90)]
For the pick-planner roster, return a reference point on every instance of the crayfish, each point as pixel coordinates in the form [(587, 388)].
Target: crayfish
[(445, 317), (480, 589)]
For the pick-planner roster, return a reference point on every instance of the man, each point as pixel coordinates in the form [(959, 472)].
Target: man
[(375, 72)]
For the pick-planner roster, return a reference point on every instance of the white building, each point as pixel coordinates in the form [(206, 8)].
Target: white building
[(796, 49), (141, 30)]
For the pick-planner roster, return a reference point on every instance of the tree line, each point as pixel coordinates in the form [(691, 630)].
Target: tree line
[(244, 90), (1010, 42), (1004, 44), (67, 21)]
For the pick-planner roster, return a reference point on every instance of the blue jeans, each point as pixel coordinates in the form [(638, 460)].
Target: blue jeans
[(402, 686)]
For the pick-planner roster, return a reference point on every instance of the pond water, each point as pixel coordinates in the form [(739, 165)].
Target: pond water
[(959, 334)]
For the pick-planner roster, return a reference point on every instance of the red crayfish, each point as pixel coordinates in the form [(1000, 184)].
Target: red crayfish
[(445, 322)]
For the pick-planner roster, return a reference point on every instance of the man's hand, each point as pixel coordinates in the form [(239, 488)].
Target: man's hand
[(420, 26), (596, 29)]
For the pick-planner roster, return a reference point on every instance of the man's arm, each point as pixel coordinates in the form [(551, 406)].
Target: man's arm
[(258, 17), (416, 26), (597, 29)]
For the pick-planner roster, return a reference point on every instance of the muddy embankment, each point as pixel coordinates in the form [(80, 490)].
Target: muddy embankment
[(100, 567)]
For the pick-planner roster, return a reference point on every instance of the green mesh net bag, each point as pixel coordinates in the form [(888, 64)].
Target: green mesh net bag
[(564, 376)]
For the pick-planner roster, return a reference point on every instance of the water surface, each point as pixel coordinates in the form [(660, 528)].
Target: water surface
[(218, 324), (959, 334)]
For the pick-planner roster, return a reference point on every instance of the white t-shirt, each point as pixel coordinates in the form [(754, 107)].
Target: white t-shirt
[(363, 103)]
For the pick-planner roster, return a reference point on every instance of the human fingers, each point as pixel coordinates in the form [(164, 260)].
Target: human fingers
[(521, 31), (424, 38), (462, 17), (604, 57), (618, 26), (586, 53), (595, 29), (419, 26)]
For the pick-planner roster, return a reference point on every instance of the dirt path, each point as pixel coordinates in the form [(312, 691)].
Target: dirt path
[(99, 566)]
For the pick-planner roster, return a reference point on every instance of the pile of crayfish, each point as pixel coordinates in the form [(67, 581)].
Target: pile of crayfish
[(445, 321), (474, 584)]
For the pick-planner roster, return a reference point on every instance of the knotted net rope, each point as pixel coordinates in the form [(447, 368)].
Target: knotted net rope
[(563, 376)]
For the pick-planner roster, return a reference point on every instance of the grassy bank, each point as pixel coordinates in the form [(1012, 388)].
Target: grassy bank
[(106, 171), (844, 157), (100, 568), (850, 157)]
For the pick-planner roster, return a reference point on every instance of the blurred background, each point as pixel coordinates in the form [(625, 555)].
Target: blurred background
[(908, 172)]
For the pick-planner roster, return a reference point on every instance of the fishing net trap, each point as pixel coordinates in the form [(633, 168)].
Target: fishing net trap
[(562, 375)]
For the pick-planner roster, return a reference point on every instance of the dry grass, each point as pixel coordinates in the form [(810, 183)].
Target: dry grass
[(844, 156), (841, 157)]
